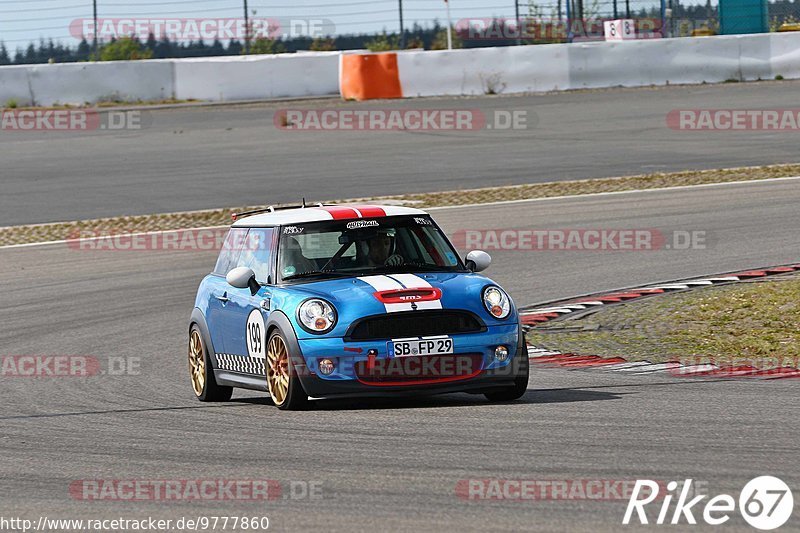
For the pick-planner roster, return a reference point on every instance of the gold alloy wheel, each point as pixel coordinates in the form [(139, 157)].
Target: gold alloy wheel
[(277, 369), (197, 363)]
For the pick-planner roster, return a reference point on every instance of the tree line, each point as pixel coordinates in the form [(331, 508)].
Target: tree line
[(430, 38), (48, 51)]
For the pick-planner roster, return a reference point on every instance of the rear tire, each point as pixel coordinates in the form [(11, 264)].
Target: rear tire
[(200, 372), (517, 390), (284, 386)]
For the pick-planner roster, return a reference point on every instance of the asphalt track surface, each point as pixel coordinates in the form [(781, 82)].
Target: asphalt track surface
[(391, 464), (199, 158)]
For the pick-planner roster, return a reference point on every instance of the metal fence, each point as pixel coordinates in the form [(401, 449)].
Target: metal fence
[(32, 23)]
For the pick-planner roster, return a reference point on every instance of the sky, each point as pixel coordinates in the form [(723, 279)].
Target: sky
[(23, 21)]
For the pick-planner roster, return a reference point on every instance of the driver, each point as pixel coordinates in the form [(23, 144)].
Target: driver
[(380, 249)]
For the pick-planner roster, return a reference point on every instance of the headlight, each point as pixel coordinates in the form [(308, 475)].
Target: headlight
[(496, 302), (316, 316)]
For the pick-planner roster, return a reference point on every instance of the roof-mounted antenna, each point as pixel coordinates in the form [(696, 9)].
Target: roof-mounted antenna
[(236, 216), (267, 209), (304, 202)]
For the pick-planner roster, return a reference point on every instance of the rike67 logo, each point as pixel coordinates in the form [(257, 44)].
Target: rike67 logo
[(765, 503)]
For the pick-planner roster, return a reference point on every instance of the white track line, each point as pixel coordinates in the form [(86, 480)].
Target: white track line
[(624, 366), (657, 368), (653, 367), (534, 349), (109, 237), (488, 204), (612, 193), (543, 354), (694, 369), (562, 310)]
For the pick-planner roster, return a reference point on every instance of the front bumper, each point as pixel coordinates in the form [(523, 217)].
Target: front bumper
[(356, 370)]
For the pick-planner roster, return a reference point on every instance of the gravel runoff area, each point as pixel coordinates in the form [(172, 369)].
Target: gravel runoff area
[(37, 233), (753, 323)]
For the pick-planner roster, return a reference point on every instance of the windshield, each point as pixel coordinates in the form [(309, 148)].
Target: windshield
[(364, 247)]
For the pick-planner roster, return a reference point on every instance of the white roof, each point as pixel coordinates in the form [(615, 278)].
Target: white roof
[(328, 212)]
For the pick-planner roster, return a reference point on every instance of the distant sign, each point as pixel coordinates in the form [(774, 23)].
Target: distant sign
[(619, 30)]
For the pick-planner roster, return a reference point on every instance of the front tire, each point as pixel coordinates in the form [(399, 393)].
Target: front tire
[(200, 372), (284, 385), (517, 390)]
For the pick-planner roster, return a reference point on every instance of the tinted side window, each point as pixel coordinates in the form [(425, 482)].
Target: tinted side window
[(230, 251), (257, 253)]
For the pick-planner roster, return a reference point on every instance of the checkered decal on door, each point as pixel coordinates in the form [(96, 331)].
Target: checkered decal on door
[(241, 363)]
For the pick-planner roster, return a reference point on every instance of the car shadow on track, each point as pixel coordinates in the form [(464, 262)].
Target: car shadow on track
[(532, 396), (572, 395)]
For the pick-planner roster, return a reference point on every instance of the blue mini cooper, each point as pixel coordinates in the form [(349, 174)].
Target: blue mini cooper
[(340, 301)]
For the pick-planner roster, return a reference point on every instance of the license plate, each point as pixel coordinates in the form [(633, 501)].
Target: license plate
[(418, 347)]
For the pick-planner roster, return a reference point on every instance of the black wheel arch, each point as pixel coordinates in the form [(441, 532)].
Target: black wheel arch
[(278, 320), (198, 319)]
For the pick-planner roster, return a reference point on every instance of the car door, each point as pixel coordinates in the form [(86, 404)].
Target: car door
[(217, 315), (247, 312)]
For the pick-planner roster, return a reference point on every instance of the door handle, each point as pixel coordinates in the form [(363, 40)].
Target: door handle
[(223, 298)]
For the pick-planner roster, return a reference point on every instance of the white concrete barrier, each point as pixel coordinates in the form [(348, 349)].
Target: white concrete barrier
[(600, 64), (755, 57), (212, 78), (484, 70), (79, 83), (785, 54), (257, 77), (653, 62), (14, 86), (512, 69)]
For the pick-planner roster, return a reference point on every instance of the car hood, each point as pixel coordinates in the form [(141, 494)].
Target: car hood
[(356, 297)]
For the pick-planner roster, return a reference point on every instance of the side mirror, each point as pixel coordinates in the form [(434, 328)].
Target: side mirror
[(478, 260), (243, 278)]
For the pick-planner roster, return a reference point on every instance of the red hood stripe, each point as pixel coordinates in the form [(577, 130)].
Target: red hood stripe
[(399, 296)]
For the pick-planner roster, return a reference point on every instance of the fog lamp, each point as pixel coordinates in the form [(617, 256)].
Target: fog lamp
[(501, 353), (326, 367)]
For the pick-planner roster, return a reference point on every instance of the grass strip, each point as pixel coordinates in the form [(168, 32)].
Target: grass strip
[(752, 323)]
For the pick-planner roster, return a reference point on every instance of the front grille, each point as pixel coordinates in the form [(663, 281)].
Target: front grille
[(414, 324)]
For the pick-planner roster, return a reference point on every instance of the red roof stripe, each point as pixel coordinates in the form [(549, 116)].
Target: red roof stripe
[(340, 213), (370, 211)]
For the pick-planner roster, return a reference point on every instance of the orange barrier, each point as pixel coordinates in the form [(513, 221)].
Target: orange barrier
[(370, 76)]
